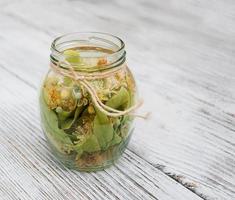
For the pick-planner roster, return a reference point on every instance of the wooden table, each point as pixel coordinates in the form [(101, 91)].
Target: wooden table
[(182, 53)]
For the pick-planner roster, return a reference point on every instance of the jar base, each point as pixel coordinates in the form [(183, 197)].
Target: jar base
[(70, 162)]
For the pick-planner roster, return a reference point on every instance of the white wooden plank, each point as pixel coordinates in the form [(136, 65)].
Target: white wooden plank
[(182, 53), (28, 170)]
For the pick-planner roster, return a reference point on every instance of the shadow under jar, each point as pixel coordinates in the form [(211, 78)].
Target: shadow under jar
[(82, 95)]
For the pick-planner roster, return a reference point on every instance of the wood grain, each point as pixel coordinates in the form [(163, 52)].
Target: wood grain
[(29, 171), (182, 54)]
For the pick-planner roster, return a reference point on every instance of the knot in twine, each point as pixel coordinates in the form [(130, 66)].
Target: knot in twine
[(83, 79)]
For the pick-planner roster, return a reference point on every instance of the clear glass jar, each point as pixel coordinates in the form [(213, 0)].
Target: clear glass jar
[(82, 95)]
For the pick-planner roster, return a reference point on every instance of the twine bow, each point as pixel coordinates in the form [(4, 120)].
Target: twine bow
[(83, 79)]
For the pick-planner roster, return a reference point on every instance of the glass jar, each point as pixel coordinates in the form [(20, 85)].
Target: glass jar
[(86, 100)]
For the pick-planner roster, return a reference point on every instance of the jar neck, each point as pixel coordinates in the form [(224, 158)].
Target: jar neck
[(97, 51)]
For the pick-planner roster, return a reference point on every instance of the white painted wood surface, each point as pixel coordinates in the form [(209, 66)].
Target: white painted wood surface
[(182, 53)]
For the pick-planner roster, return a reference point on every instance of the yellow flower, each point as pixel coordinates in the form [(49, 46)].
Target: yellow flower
[(91, 109)]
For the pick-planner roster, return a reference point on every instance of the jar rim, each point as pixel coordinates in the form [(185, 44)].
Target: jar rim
[(105, 41), (54, 43)]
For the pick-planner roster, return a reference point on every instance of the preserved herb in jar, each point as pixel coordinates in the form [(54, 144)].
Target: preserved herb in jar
[(87, 100)]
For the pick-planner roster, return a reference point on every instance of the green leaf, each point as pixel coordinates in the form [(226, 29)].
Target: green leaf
[(72, 56), (126, 123), (63, 115), (66, 124), (116, 140), (102, 129), (91, 144), (119, 100), (50, 121), (88, 144)]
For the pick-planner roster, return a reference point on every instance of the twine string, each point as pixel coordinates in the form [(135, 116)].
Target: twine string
[(83, 79)]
